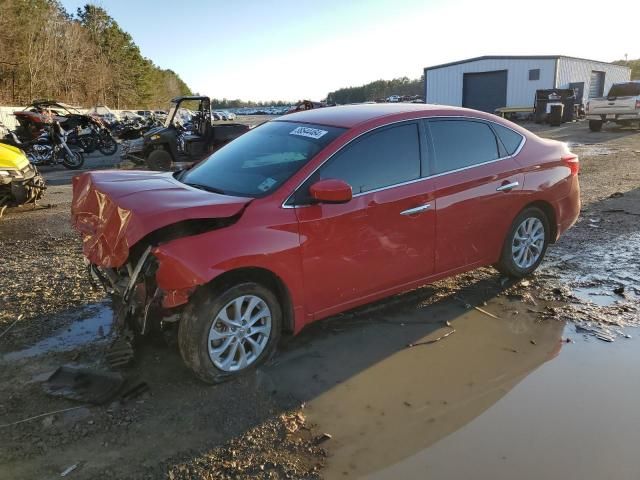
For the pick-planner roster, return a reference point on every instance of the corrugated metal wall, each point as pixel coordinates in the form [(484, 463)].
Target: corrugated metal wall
[(576, 70), (444, 85)]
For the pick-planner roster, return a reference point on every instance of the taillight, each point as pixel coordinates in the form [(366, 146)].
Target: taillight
[(572, 161)]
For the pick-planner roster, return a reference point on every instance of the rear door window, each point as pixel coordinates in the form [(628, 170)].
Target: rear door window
[(462, 143)]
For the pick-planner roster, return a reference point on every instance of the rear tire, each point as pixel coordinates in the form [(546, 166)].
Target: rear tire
[(202, 319), (159, 160), (595, 125), (514, 259)]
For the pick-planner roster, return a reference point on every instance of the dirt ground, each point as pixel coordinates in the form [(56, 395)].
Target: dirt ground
[(343, 398)]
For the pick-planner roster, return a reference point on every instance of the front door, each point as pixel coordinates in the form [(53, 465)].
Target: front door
[(383, 237)]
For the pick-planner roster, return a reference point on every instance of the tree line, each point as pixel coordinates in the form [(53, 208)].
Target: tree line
[(83, 59), (378, 90), (237, 103), (634, 65)]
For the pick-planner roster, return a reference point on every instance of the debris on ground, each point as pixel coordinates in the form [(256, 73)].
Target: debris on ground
[(120, 353), (68, 470), (324, 437), (42, 415), (429, 342), (83, 385), (11, 326)]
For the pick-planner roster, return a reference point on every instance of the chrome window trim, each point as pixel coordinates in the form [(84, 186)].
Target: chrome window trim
[(416, 180)]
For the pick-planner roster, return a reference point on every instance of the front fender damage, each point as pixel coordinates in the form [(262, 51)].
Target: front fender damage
[(154, 281)]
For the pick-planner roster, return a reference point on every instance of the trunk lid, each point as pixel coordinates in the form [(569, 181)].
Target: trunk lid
[(113, 210)]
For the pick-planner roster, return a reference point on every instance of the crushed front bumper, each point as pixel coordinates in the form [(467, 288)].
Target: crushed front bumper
[(18, 187)]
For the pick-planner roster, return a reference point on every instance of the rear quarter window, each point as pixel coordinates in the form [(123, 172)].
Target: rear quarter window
[(509, 138)]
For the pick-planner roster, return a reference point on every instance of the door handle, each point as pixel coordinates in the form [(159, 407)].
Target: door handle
[(507, 187), (413, 211)]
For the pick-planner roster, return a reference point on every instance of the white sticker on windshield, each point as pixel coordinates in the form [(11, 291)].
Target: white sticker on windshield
[(267, 184), (308, 132)]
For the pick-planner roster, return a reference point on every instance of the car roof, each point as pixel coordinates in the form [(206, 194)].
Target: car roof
[(349, 116)]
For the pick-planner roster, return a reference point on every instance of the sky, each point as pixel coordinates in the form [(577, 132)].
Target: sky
[(291, 50)]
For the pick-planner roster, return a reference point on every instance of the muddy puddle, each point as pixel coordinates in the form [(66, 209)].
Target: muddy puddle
[(94, 324), (521, 390), (574, 417), (500, 398), (403, 404)]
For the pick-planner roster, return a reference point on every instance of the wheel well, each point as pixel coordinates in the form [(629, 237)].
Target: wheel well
[(550, 213), (264, 277)]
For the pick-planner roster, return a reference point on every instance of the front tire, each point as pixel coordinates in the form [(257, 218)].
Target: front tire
[(225, 333), (73, 161), (526, 243), (595, 125), (108, 145)]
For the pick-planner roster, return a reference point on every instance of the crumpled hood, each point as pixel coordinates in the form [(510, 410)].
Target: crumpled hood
[(114, 209)]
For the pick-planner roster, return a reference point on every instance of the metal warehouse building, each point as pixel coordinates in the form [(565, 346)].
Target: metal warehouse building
[(491, 82)]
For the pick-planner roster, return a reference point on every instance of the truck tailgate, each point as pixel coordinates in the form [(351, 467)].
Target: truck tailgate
[(615, 105)]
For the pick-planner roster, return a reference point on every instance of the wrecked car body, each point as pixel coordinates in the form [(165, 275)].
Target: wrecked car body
[(286, 224)]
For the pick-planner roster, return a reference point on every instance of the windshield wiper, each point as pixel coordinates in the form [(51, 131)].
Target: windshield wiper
[(206, 188)]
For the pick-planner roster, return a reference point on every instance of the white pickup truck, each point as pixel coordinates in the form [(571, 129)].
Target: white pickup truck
[(621, 105)]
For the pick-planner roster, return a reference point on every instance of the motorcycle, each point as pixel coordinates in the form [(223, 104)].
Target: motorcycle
[(20, 181), (96, 136), (50, 148)]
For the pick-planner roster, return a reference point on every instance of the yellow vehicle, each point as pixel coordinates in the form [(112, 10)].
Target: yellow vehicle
[(20, 182)]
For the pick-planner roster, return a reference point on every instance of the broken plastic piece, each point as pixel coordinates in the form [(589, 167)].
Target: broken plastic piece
[(83, 385)]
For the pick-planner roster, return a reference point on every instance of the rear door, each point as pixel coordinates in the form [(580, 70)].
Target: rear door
[(383, 237), (478, 189)]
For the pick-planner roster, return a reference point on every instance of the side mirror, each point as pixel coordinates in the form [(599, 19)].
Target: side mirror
[(331, 191)]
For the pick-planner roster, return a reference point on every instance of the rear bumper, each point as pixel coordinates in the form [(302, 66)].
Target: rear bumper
[(614, 117), (568, 209)]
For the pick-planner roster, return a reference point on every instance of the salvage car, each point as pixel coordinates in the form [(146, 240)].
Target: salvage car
[(315, 213), (20, 182)]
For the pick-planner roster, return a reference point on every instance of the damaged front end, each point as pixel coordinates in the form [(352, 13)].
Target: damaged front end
[(125, 218), (134, 292)]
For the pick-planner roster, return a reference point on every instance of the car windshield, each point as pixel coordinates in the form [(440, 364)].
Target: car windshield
[(259, 161), (630, 89)]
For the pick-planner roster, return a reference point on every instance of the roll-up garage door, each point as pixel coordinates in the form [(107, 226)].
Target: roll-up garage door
[(596, 85), (485, 91)]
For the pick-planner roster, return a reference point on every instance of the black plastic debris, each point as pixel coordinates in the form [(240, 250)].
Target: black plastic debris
[(134, 392), (120, 353), (83, 385)]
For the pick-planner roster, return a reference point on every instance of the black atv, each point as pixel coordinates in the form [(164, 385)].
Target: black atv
[(187, 136)]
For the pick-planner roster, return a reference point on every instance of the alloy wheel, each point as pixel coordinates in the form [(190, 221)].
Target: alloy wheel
[(239, 333), (528, 242)]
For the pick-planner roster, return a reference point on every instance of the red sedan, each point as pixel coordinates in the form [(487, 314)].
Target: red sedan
[(315, 213)]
